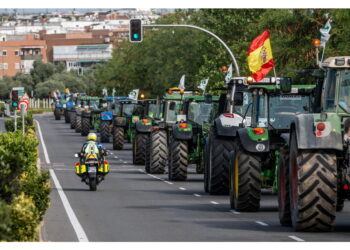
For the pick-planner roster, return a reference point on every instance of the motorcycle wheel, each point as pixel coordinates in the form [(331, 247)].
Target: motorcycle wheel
[(92, 184)]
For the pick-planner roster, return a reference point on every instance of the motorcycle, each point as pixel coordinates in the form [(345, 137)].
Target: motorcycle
[(92, 168)]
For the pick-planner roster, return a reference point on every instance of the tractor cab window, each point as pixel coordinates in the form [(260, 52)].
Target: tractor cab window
[(344, 91), (128, 109), (329, 91), (283, 108), (199, 112), (153, 110), (117, 109), (138, 110), (94, 104), (241, 109), (172, 110), (260, 111)]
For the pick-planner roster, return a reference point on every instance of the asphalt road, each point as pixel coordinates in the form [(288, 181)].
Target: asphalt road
[(131, 205)]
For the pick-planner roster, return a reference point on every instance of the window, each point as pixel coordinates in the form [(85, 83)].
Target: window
[(17, 66), (4, 52), (329, 91), (6, 66), (16, 53), (1, 67)]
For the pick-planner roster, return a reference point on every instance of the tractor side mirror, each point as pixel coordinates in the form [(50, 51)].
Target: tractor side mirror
[(238, 99), (286, 84)]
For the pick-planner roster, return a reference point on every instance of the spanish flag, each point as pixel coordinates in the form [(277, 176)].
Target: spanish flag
[(260, 58)]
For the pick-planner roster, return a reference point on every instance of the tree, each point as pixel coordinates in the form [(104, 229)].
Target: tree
[(43, 89)]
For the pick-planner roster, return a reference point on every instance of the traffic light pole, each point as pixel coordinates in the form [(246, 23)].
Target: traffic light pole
[(217, 38)]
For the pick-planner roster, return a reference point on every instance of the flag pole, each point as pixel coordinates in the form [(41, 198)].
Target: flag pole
[(274, 71)]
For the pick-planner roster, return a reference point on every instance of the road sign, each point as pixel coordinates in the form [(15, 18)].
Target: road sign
[(25, 104)]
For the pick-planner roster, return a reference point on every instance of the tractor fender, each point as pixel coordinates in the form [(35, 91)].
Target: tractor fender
[(106, 116), (86, 114), (182, 134), (143, 128), (227, 126), (254, 143), (119, 122), (304, 127)]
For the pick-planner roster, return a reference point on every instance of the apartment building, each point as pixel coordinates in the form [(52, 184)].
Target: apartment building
[(19, 56)]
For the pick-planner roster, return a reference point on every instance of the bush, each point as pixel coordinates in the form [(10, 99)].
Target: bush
[(5, 221), (24, 219)]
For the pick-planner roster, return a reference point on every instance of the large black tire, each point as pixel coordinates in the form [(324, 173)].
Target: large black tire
[(93, 184), (85, 126), (284, 213), (57, 114), (218, 174), (66, 116), (78, 123), (72, 120), (313, 188), (245, 181), (206, 166), (139, 148), (105, 131), (118, 138), (178, 160), (157, 156)]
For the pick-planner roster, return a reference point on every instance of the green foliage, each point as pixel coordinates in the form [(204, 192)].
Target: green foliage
[(5, 221), (28, 122), (43, 89)]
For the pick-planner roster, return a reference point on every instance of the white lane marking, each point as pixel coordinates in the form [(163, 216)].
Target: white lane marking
[(214, 202), (71, 215), (182, 188), (43, 143), (112, 153), (125, 162), (234, 211), (141, 170), (156, 177), (296, 238), (261, 223), (116, 157), (197, 195), (168, 182)]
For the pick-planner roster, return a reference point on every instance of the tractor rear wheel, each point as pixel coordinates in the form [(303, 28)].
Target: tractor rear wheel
[(78, 123), (283, 189), (104, 131), (85, 126), (178, 160), (72, 120), (66, 116), (313, 188), (219, 154), (245, 181), (57, 114), (156, 159), (118, 138), (139, 148)]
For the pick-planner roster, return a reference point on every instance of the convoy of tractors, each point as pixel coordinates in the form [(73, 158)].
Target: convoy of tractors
[(283, 134)]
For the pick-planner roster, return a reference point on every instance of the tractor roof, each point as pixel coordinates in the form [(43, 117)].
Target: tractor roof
[(201, 98), (337, 62), (296, 89)]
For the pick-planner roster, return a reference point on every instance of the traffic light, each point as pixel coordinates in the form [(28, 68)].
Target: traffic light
[(14, 98), (135, 31)]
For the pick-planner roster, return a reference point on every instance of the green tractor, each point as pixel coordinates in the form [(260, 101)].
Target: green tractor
[(90, 114), (77, 108), (187, 138), (231, 114), (127, 113), (156, 158), (255, 160), (143, 130), (315, 171)]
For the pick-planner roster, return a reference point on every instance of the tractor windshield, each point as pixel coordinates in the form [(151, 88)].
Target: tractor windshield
[(130, 109), (199, 112), (94, 104), (344, 91), (153, 110), (277, 111), (173, 109)]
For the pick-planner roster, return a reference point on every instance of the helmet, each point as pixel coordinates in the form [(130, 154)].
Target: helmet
[(91, 137)]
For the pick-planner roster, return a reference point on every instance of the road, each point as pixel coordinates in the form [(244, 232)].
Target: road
[(131, 205)]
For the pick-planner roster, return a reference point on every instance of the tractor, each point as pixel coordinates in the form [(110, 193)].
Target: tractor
[(156, 158), (187, 138), (143, 130), (127, 113), (315, 168), (255, 160), (89, 114), (233, 105)]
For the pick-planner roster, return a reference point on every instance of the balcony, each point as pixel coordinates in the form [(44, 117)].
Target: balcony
[(32, 57)]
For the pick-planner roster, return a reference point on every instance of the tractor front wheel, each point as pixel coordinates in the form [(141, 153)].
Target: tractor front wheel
[(139, 148), (78, 123), (104, 131), (157, 154), (85, 128), (118, 138)]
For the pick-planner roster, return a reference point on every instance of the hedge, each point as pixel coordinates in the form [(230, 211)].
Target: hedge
[(24, 190)]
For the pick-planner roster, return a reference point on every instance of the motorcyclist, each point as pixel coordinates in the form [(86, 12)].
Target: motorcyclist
[(92, 147)]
